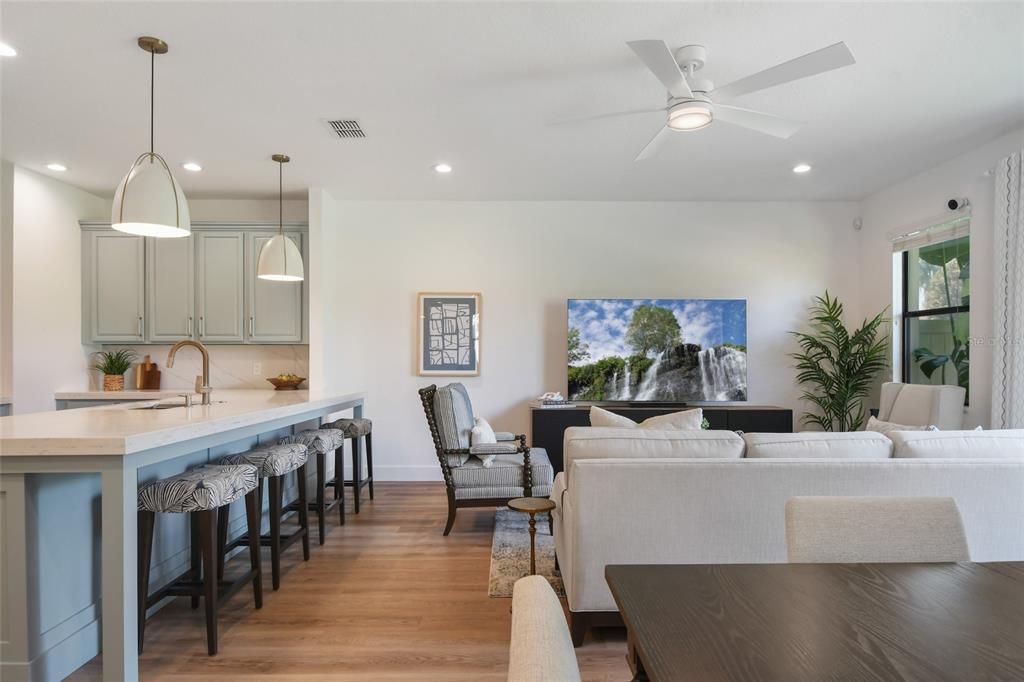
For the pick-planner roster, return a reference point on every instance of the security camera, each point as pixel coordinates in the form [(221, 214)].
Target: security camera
[(957, 204)]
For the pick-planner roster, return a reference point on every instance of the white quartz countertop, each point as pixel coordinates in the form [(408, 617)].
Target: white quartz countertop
[(4, 400), (133, 394), (119, 429)]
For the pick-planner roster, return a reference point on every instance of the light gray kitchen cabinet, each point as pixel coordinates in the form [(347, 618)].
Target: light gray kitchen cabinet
[(273, 309), (170, 296), (220, 285), (113, 295)]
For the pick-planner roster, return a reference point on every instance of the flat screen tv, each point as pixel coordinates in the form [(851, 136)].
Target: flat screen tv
[(657, 350)]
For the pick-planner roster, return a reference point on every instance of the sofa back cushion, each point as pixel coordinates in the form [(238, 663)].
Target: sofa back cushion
[(583, 442), (1004, 444), (818, 445)]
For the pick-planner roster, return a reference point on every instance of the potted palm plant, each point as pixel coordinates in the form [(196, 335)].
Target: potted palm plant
[(838, 366), (113, 364)]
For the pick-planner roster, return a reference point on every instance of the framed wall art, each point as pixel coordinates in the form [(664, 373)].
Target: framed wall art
[(448, 341)]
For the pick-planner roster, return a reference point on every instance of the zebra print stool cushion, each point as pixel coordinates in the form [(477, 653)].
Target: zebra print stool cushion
[(272, 460), (352, 428), (200, 489), (317, 440)]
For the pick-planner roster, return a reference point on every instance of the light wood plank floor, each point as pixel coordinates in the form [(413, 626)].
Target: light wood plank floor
[(386, 598)]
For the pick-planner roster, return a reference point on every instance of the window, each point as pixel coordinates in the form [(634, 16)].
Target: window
[(936, 312)]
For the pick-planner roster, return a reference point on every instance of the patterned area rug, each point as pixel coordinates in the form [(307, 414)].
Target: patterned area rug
[(510, 552)]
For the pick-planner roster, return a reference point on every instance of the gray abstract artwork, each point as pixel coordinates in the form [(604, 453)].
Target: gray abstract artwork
[(449, 342)]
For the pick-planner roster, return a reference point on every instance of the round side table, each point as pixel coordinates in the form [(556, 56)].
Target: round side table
[(532, 506)]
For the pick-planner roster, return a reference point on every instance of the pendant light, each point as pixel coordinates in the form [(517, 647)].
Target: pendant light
[(280, 259), (149, 201)]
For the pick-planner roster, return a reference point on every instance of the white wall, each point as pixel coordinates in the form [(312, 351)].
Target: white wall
[(47, 350), (527, 258), (6, 274), (922, 198)]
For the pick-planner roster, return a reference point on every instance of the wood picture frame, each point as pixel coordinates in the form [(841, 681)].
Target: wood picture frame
[(448, 333)]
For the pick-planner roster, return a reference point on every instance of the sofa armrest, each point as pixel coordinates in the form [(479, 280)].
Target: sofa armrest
[(541, 648), (558, 489)]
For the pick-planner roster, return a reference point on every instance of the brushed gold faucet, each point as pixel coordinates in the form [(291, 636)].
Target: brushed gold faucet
[(202, 382)]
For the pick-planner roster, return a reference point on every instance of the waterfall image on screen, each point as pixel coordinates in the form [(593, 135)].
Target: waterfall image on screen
[(668, 350)]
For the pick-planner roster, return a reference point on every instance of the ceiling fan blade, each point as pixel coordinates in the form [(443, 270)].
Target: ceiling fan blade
[(757, 120), (811, 64), (614, 114), (654, 145), (658, 58)]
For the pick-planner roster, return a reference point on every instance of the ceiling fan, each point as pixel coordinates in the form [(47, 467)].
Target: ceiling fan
[(694, 103)]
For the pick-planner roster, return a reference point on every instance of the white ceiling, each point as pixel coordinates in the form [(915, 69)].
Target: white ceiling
[(479, 85)]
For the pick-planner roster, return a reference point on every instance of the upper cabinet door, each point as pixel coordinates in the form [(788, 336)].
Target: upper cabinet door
[(170, 296), (114, 288), (273, 309), (220, 272)]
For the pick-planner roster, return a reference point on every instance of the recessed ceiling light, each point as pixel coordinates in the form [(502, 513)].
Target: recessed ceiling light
[(443, 168), (801, 168), (59, 167), (192, 166), (7, 51)]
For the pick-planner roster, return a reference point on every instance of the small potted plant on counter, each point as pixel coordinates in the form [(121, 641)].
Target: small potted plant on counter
[(113, 364)]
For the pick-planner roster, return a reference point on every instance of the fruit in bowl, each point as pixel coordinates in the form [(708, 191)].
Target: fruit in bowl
[(286, 382)]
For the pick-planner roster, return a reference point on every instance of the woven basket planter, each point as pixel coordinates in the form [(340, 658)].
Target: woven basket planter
[(113, 382)]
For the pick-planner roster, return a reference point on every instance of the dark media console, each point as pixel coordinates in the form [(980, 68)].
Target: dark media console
[(549, 425)]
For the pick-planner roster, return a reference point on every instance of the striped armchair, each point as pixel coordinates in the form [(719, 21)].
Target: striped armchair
[(516, 471)]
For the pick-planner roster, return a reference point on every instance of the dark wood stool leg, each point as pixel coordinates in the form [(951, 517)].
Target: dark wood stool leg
[(252, 516), (339, 480), (195, 554), (223, 516), (321, 481), (357, 474), (146, 521), (208, 535), (369, 461), (275, 530), (304, 511)]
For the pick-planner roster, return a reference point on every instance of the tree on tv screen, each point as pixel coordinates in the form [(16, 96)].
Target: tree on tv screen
[(653, 328)]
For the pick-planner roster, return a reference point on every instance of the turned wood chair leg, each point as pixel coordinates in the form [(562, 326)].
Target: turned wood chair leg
[(275, 531), (208, 535), (252, 516), (147, 519)]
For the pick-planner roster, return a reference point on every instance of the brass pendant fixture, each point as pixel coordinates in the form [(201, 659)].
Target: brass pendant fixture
[(149, 200), (280, 259)]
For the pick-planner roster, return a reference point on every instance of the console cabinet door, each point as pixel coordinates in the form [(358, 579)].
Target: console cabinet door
[(220, 273), (170, 296), (114, 287), (273, 309)]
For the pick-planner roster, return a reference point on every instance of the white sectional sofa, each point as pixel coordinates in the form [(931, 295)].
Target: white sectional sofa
[(635, 496)]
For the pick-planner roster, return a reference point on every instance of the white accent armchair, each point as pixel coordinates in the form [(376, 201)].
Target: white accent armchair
[(923, 405)]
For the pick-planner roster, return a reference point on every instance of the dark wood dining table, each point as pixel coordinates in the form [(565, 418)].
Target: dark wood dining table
[(813, 622)]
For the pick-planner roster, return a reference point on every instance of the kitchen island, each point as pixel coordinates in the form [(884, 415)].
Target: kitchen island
[(68, 483)]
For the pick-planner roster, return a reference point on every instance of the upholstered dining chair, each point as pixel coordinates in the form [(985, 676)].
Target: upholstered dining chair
[(846, 530), (516, 470)]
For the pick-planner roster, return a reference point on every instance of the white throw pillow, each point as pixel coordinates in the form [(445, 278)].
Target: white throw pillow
[(687, 420), (885, 427), (483, 434)]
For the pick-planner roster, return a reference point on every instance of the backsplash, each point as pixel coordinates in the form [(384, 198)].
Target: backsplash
[(230, 366)]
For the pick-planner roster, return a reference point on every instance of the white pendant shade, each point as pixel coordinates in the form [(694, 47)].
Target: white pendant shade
[(280, 261), (149, 201)]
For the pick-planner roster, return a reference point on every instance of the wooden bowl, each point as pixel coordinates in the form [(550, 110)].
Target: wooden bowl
[(286, 384)]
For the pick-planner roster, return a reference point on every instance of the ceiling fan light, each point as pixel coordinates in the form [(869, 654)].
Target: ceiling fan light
[(692, 115), (149, 201), (280, 261)]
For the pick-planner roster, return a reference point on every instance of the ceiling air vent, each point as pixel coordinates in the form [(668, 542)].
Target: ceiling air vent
[(346, 129)]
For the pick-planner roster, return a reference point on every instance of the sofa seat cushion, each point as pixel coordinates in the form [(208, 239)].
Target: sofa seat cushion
[(818, 445), (1000, 444), (504, 477)]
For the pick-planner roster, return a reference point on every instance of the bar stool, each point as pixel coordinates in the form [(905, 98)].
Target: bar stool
[(355, 429), (273, 463), (320, 442), (202, 493)]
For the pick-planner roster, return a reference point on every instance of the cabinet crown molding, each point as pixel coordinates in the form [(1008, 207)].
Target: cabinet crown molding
[(100, 224)]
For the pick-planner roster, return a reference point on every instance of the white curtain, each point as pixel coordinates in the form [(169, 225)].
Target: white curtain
[(1008, 364)]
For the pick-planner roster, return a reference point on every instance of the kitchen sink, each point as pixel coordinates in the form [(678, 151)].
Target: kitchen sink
[(171, 406)]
